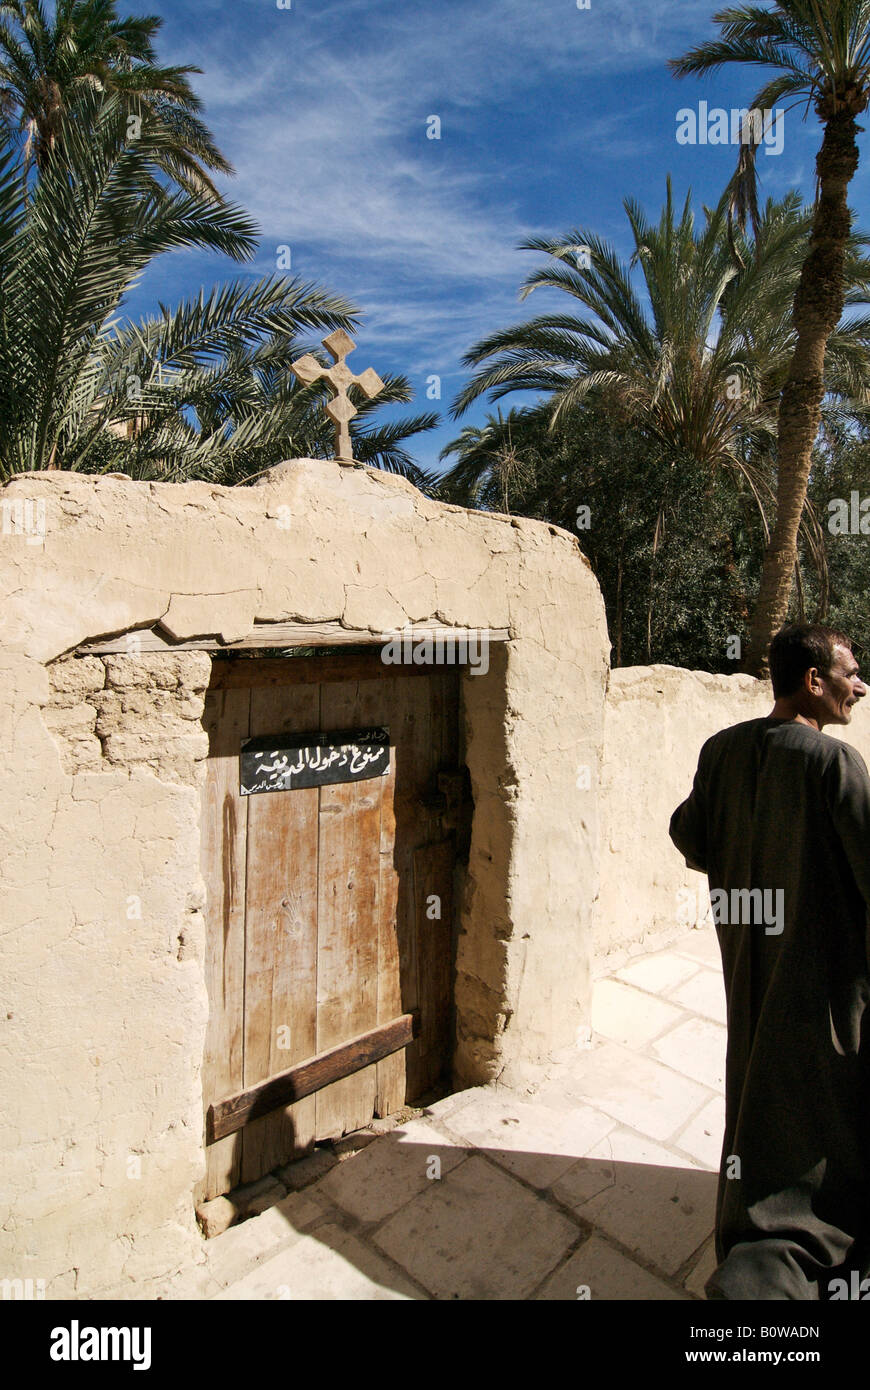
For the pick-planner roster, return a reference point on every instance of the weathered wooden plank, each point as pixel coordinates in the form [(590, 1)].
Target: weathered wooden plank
[(348, 885), (390, 1093), (281, 945), (226, 719), (308, 1077), (282, 635)]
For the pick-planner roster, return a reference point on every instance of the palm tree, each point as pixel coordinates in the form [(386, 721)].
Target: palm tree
[(68, 255), (47, 64), (492, 464), (213, 402), (203, 390), (697, 365), (822, 48)]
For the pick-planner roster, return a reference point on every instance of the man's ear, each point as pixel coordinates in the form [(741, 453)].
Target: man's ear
[(812, 681)]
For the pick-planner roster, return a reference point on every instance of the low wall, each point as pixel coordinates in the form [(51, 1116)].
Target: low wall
[(656, 719)]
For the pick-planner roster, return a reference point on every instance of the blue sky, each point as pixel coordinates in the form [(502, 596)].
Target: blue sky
[(550, 116)]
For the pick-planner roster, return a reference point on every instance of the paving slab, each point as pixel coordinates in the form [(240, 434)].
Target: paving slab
[(536, 1142), (702, 1137), (702, 944), (658, 973), (385, 1175), (597, 1272), (634, 1089), (654, 1202), (232, 1254), (701, 1273), (703, 993), (630, 1016), (331, 1265), (448, 1105), (697, 1049), (478, 1234)]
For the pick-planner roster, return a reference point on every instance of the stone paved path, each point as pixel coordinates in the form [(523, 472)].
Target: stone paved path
[(601, 1176)]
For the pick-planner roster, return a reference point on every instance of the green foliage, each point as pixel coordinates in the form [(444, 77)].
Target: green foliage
[(698, 360), (48, 64), (821, 51), (689, 370), (838, 473), (205, 387), (672, 546)]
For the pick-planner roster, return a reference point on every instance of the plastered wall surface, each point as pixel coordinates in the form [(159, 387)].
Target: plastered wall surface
[(656, 720), (102, 940)]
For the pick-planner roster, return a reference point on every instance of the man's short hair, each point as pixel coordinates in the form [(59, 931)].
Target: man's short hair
[(796, 648)]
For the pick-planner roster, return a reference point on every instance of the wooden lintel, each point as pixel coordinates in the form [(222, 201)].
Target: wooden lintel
[(283, 635), (304, 1078), (244, 673)]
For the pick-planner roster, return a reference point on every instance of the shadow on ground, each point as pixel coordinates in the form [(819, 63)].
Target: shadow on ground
[(418, 1215)]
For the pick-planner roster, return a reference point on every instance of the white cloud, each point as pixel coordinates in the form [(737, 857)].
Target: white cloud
[(323, 114), (333, 160), (322, 109)]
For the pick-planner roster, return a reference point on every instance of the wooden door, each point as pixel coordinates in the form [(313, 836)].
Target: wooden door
[(329, 910)]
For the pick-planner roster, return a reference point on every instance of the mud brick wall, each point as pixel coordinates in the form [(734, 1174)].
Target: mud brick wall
[(103, 1005)]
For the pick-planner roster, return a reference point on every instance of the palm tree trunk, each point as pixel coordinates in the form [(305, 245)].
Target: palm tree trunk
[(817, 309)]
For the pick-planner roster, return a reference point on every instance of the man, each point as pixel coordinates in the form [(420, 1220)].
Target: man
[(779, 820)]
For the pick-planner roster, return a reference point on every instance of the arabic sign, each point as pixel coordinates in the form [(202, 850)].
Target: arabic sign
[(282, 762)]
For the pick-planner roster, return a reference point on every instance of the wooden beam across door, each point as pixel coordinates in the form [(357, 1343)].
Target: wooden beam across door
[(250, 673), (286, 635), (227, 1116)]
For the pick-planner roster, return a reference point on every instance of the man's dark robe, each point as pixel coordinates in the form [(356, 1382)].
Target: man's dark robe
[(778, 805)]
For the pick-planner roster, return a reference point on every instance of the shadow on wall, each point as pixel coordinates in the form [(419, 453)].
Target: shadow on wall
[(411, 1217)]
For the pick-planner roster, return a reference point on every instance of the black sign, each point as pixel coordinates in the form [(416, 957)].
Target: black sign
[(280, 762)]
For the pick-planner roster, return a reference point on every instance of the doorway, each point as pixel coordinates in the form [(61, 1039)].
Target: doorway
[(330, 907)]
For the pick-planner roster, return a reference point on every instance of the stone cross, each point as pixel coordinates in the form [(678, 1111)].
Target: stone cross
[(340, 377)]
